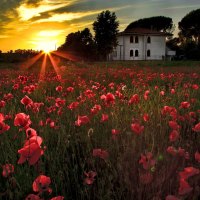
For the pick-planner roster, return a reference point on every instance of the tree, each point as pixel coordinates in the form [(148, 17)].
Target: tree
[(189, 27), (106, 30), (158, 23), (191, 50), (80, 43)]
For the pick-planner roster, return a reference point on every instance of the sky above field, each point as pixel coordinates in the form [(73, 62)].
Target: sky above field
[(33, 24)]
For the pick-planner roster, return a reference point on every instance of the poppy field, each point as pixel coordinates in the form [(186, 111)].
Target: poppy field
[(100, 133)]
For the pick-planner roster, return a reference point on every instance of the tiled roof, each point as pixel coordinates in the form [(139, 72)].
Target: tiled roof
[(142, 31)]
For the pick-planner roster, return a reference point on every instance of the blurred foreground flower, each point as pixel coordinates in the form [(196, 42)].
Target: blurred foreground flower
[(100, 153), (89, 177), (8, 169)]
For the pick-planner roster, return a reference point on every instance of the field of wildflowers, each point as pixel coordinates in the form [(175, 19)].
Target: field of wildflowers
[(100, 133)]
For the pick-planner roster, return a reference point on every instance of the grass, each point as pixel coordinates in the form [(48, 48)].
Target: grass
[(69, 149)]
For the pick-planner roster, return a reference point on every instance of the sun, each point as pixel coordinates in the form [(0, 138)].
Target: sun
[(46, 46)]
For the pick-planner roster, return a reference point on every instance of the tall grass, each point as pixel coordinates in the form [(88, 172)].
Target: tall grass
[(69, 148)]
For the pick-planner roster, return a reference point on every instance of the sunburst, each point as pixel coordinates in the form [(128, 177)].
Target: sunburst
[(46, 46)]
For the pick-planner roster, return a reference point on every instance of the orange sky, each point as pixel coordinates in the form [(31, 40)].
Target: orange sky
[(39, 24)]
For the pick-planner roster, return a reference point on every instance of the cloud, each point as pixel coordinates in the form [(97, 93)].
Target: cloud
[(181, 7), (26, 12), (50, 33), (66, 16), (4, 36)]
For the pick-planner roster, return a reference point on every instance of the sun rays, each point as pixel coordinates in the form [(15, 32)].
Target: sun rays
[(43, 67), (47, 59)]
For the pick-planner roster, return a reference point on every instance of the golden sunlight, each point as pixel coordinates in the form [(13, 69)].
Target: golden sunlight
[(46, 46)]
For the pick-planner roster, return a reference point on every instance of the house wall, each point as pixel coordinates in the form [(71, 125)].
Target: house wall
[(118, 53), (156, 47)]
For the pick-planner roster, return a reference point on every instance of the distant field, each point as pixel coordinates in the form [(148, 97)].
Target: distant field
[(100, 131), (153, 64)]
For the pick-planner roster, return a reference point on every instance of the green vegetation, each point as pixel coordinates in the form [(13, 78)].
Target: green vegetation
[(150, 136)]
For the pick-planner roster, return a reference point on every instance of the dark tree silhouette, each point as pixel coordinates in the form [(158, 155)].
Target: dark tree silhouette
[(80, 43), (189, 27), (158, 23), (106, 30)]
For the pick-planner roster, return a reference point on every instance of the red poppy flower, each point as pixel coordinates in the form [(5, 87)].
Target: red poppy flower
[(181, 152), (196, 127), (146, 94), (8, 97), (111, 85), (172, 91), (115, 132), (195, 87), (89, 93), (171, 150), (70, 89), (32, 197), (90, 177), (100, 153), (95, 109), (82, 120), (109, 98), (41, 184), (171, 197), (35, 107), (8, 169), (57, 198), (174, 135), (188, 172), (3, 127), (137, 128), (2, 104), (26, 101), (59, 88), (146, 117), (16, 86), (174, 125), (2, 118), (146, 178), (60, 102), (147, 161), (104, 117), (22, 119), (162, 93), (119, 94), (168, 110), (30, 132), (73, 105), (185, 104), (197, 156), (184, 187), (134, 99), (31, 151)]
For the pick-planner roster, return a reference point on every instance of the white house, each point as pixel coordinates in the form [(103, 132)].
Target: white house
[(141, 44)]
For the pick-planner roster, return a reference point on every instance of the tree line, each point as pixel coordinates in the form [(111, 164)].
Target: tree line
[(99, 46), (83, 43), (18, 55)]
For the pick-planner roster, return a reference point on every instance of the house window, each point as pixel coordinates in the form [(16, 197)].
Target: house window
[(136, 39), (136, 53), (148, 40), (131, 39), (131, 53), (148, 53)]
